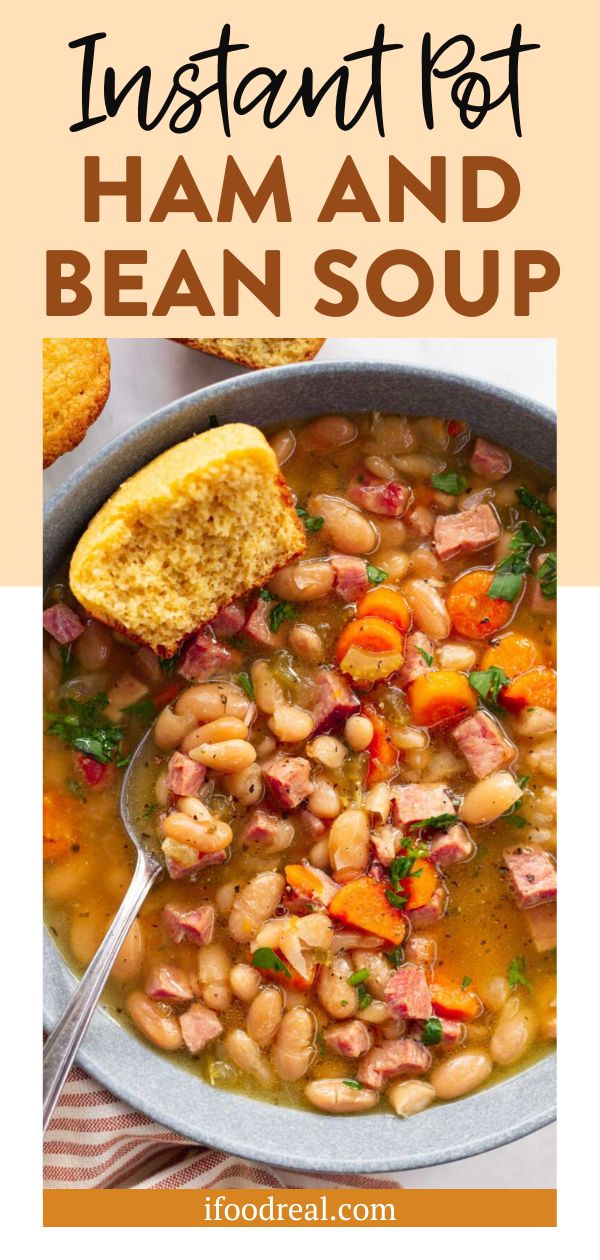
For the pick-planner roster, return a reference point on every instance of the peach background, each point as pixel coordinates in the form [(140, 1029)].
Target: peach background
[(555, 212)]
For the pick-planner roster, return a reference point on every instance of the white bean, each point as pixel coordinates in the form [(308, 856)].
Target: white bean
[(224, 897), (460, 1074), (213, 976), (324, 801), (345, 527), (264, 1015), (267, 692), (408, 1098), (255, 904), (293, 1048), (247, 1055), (338, 1098), (456, 656), (304, 581), (327, 433), (283, 444), (337, 996), (304, 641), (494, 993), (160, 1028), (429, 610), (245, 785), (328, 750), (215, 732), (206, 835), (378, 801), (170, 728), (358, 732), (349, 839), (290, 724), (244, 981), (208, 701), (513, 1037), (225, 758), (533, 723), (488, 799)]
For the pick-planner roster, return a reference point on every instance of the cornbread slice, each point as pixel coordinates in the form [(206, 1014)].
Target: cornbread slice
[(76, 385), (205, 521), (258, 352)]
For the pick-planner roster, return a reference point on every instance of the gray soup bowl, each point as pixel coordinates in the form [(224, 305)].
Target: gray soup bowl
[(145, 1079)]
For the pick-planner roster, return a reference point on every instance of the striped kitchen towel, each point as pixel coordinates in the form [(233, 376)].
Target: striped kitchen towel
[(94, 1141)]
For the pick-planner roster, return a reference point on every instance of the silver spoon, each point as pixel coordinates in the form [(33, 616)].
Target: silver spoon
[(63, 1043)]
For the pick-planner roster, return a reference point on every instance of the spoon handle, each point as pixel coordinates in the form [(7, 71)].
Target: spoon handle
[(63, 1043)]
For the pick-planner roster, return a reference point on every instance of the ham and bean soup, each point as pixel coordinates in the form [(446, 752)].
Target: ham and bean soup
[(352, 786)]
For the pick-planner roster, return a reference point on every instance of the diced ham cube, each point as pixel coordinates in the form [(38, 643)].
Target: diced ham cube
[(169, 984), (351, 581), (351, 1039), (434, 910), (383, 498), (489, 461), (541, 923), (184, 776), (414, 661), (386, 841), (204, 658), (195, 926), (421, 950), (96, 774), (288, 780), (256, 625), (261, 826), (228, 621), (413, 802), (177, 869), (483, 744), (421, 521), (199, 1025), (62, 623), (407, 993), (334, 701), (313, 825), (466, 531), (453, 1032), (532, 874), (403, 1057), (453, 845)]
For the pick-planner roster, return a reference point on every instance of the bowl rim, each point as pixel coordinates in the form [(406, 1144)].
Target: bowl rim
[(182, 1101)]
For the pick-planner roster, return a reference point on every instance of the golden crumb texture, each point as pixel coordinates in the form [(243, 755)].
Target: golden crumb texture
[(204, 522), (258, 352), (76, 385)]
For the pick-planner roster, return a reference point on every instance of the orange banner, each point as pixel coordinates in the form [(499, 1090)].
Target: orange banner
[(319, 1207)]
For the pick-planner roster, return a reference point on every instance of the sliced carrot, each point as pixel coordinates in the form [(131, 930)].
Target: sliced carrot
[(440, 695), (61, 823), (303, 880), (363, 904), (383, 757), (514, 653), (454, 1003), (534, 690), (387, 603), (420, 886), (372, 634), (473, 613)]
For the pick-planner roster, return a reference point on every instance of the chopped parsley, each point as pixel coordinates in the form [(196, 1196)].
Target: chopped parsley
[(401, 867), (364, 998), (358, 977), (265, 594), (352, 1084), (466, 981), (312, 524), (546, 576), (516, 973), (267, 960), (245, 683), (437, 823), (284, 611), (508, 580), (169, 664), (80, 724), (394, 956), (546, 514), (432, 1031), (449, 482), (427, 657), (375, 575), (512, 814), (395, 899), (143, 710), (488, 683)]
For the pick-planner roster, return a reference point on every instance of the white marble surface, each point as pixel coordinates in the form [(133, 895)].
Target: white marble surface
[(148, 373)]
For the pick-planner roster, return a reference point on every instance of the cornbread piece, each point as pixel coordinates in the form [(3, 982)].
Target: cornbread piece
[(76, 385), (258, 352), (204, 522)]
